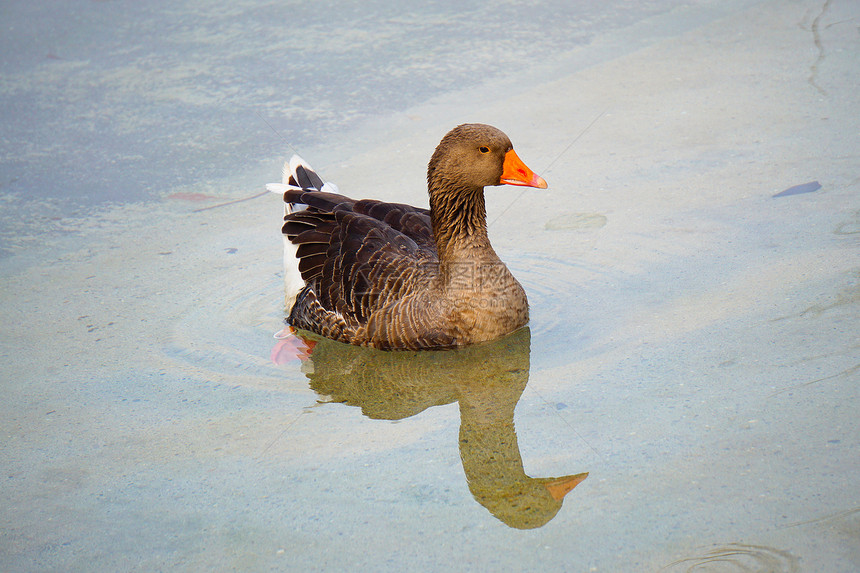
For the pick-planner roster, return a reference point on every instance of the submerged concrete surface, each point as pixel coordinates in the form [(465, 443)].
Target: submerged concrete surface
[(693, 344)]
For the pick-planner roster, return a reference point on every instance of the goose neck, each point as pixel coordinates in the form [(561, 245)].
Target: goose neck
[(459, 219)]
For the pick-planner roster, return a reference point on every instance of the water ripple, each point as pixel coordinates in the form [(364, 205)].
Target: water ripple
[(738, 557), (557, 289), (226, 335)]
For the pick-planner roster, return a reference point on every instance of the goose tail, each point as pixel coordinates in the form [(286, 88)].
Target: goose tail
[(297, 176)]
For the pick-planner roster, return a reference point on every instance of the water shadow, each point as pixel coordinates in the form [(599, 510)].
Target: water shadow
[(486, 380)]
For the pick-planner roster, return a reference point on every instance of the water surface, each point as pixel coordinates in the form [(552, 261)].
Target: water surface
[(693, 341)]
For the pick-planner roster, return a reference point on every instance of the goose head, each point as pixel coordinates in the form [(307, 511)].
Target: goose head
[(473, 156)]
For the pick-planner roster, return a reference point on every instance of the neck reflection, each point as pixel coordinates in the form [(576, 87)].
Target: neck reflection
[(486, 380)]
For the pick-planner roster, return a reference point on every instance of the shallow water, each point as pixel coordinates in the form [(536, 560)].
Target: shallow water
[(117, 102), (684, 399)]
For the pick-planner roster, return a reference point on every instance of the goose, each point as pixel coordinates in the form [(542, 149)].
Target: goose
[(396, 277)]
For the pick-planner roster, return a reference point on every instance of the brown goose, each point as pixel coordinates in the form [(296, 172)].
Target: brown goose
[(394, 277)]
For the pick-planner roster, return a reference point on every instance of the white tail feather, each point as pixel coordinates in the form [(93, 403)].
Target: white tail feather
[(293, 282), (290, 167)]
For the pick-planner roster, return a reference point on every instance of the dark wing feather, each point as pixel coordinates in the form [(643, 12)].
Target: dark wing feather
[(311, 265), (355, 255), (413, 222), (305, 178), (321, 200)]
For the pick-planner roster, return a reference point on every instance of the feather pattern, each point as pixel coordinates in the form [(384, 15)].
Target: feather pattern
[(393, 276)]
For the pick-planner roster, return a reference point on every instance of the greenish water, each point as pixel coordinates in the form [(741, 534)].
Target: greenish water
[(693, 339)]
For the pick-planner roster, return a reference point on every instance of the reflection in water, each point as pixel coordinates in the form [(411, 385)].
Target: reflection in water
[(487, 380), (738, 557)]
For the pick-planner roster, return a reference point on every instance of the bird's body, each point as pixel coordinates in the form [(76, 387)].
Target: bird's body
[(393, 276)]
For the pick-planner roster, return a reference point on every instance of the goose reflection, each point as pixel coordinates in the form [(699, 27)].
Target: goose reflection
[(486, 380)]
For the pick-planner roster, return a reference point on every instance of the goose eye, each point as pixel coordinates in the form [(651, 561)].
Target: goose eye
[(484, 149)]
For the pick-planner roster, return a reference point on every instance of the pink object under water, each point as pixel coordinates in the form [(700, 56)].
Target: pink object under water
[(291, 347)]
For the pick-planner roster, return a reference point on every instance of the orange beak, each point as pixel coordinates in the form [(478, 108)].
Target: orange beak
[(515, 172), (560, 487)]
